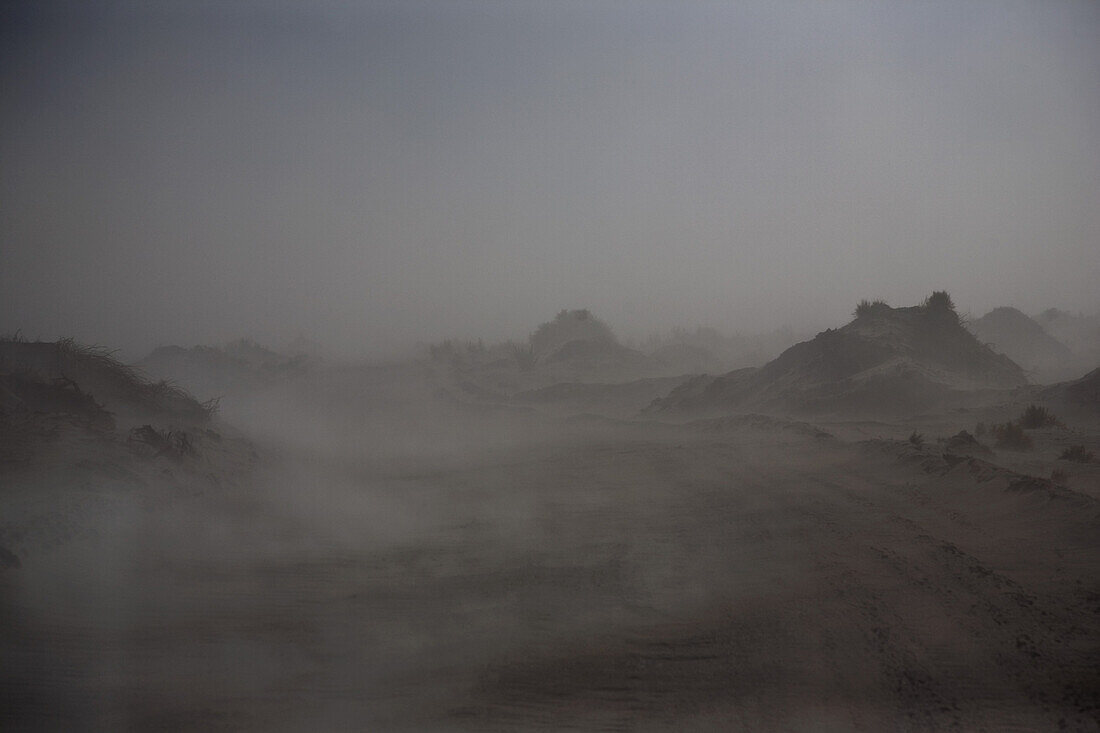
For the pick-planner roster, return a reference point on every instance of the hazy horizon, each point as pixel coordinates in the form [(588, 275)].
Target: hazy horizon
[(372, 175)]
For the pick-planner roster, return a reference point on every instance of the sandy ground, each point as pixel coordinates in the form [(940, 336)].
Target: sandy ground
[(635, 578)]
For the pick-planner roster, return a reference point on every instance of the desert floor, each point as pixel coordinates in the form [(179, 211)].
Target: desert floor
[(611, 577)]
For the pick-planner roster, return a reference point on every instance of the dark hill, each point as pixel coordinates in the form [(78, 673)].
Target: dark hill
[(1079, 395), (1023, 340), (578, 346), (886, 361)]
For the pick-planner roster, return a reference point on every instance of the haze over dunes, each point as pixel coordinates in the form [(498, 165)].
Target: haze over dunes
[(509, 366)]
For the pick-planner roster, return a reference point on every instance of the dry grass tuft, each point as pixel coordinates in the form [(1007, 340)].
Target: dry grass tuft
[(1037, 416), (96, 371), (1011, 436), (1077, 454)]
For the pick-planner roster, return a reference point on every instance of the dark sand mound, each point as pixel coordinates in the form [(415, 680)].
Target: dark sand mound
[(1086, 390), (886, 361), (575, 347), (1079, 395), (76, 405), (576, 342), (567, 326), (65, 377), (84, 438), (1023, 340), (28, 393)]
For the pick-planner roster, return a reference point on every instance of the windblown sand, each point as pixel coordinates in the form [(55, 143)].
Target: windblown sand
[(633, 577)]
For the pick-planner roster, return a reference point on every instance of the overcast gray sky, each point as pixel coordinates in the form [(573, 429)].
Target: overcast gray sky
[(373, 174)]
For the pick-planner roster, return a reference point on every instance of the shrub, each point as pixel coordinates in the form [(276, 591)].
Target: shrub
[(174, 444), (524, 357), (870, 308), (1077, 454), (916, 439), (1059, 476), (574, 325), (939, 300), (1011, 436), (939, 308), (456, 352), (1037, 416)]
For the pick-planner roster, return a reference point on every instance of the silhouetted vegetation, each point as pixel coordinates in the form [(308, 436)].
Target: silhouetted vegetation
[(1011, 437), (1077, 454), (1037, 416), (173, 444), (869, 308), (1059, 476), (939, 300), (940, 308), (95, 371), (570, 325), (524, 357), (916, 439)]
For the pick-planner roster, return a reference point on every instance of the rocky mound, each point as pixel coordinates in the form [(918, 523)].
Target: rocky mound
[(1023, 340), (886, 361)]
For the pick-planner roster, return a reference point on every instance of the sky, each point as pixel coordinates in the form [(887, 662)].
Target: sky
[(370, 174)]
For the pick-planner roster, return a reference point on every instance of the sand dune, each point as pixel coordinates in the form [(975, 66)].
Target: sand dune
[(400, 548)]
